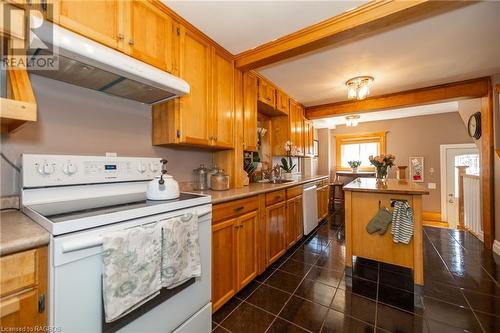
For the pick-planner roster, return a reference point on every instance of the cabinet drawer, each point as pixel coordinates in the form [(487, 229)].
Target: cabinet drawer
[(323, 182), (275, 197), (231, 209), (293, 192), (18, 271)]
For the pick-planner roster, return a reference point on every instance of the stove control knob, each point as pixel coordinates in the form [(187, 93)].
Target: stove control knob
[(45, 169), (69, 168), (153, 167), (141, 168)]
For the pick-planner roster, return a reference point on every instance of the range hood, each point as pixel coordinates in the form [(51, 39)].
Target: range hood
[(88, 64)]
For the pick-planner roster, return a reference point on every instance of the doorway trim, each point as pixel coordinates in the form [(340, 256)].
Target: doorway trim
[(442, 166)]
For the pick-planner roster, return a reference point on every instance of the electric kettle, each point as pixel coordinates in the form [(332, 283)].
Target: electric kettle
[(164, 186)]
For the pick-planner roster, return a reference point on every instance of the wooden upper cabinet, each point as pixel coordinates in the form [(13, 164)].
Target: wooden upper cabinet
[(267, 93), (308, 138), (223, 262), (150, 35), (275, 233), (299, 130), (296, 127), (195, 108), (100, 20), (282, 101), (249, 111), (223, 101), (247, 232)]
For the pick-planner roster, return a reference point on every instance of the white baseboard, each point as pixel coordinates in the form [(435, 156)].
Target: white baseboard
[(496, 247)]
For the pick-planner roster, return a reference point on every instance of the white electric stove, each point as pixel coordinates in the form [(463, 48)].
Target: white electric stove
[(79, 198)]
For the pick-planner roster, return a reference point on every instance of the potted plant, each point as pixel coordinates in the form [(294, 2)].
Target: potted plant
[(354, 165), (287, 163), (382, 164)]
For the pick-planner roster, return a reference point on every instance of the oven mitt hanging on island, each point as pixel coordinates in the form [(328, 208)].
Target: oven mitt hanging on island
[(380, 221)]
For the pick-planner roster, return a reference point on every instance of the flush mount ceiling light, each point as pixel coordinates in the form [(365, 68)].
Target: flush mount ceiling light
[(358, 87), (352, 121)]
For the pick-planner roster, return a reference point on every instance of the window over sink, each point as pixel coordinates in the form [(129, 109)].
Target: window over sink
[(358, 147)]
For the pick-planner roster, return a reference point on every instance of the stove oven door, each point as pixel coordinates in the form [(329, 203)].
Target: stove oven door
[(76, 294)]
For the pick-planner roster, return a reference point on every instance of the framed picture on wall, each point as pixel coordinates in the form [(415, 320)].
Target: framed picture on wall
[(417, 169), (315, 148)]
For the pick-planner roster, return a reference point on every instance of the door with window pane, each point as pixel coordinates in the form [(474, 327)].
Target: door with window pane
[(456, 157)]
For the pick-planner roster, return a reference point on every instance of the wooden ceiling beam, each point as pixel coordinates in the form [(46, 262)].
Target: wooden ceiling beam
[(475, 88), (366, 19)]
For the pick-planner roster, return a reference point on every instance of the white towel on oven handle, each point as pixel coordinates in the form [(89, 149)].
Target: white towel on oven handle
[(180, 250)]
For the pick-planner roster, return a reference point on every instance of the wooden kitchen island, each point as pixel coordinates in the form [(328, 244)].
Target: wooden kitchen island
[(363, 197)]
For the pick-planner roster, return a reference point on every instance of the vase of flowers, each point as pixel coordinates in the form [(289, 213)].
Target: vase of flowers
[(287, 163), (382, 165), (354, 165)]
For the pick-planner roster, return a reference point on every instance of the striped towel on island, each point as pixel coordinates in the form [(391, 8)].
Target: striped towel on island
[(402, 222)]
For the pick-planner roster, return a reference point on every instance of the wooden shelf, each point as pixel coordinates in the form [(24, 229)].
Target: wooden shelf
[(21, 106)]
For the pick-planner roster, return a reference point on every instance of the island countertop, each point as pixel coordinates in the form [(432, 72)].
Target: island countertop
[(389, 186)]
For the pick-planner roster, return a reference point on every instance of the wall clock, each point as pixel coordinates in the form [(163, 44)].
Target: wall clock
[(474, 125)]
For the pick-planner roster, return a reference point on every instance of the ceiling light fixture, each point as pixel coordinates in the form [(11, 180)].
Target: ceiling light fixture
[(352, 121), (359, 87)]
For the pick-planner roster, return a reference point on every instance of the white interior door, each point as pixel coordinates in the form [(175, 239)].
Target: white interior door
[(455, 156)]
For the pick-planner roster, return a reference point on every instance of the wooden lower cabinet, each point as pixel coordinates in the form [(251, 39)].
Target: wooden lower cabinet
[(323, 197), (275, 231), (223, 262), (294, 222), (234, 256), (23, 288), (246, 240)]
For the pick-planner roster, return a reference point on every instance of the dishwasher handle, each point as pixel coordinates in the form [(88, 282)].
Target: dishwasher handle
[(310, 188), (87, 243)]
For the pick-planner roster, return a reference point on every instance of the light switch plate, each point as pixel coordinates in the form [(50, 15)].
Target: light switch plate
[(431, 186)]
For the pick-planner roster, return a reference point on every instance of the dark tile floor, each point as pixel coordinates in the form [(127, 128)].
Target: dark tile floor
[(308, 290)]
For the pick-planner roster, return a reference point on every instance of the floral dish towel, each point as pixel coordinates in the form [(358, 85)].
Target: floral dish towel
[(131, 269), (180, 250)]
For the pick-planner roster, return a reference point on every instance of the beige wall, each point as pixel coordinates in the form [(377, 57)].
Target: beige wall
[(466, 109), (323, 151), (416, 136), (73, 120)]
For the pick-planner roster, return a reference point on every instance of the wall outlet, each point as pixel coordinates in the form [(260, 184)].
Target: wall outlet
[(431, 186)]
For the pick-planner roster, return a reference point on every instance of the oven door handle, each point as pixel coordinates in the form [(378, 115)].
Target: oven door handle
[(88, 243), (83, 244)]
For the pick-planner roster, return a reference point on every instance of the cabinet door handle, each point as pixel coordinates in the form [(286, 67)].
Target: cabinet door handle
[(237, 209), (41, 304), (121, 36), (130, 42)]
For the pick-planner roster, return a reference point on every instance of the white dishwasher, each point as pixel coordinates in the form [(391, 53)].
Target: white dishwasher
[(310, 208)]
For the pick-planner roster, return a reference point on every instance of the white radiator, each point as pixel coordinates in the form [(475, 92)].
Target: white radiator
[(472, 205)]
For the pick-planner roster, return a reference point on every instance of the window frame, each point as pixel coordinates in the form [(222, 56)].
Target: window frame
[(377, 137)]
